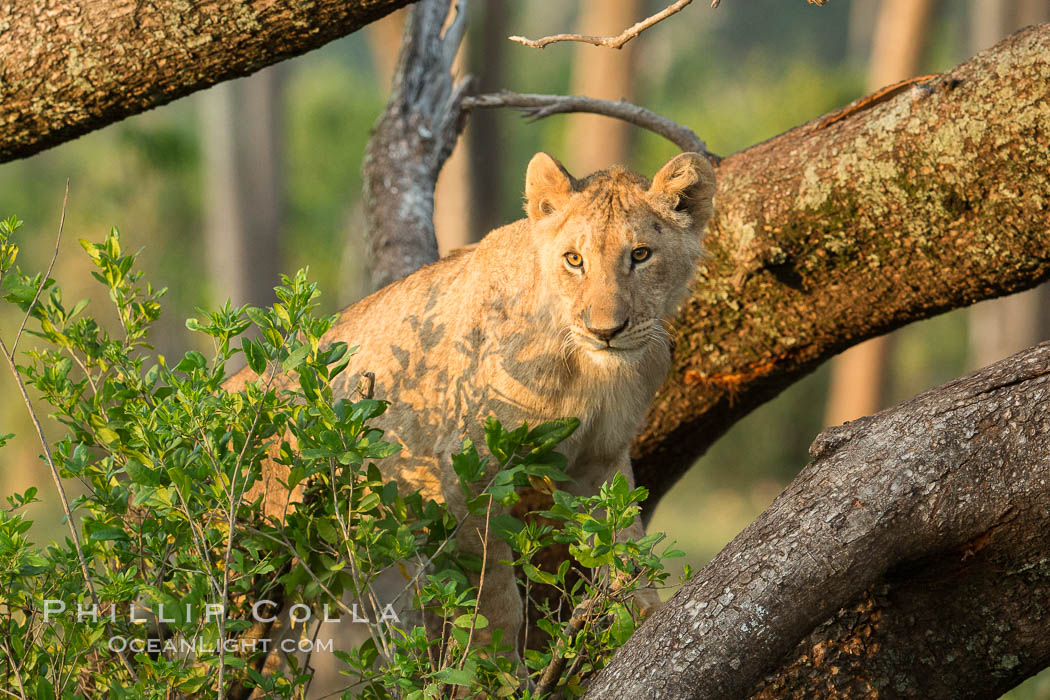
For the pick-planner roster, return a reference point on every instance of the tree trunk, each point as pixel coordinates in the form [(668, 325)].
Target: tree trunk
[(73, 67), (594, 142), (859, 375), (242, 187), (486, 137), (852, 225), (924, 526)]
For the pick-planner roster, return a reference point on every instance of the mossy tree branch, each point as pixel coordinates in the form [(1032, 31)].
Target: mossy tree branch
[(67, 68), (843, 229)]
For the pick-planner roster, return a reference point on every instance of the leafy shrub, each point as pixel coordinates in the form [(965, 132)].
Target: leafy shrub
[(171, 580)]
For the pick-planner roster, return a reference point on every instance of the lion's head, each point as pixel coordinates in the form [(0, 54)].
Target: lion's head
[(620, 250)]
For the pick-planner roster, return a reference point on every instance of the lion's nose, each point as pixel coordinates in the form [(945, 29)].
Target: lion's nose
[(607, 334)]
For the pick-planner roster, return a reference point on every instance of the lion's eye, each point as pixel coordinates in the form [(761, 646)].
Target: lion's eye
[(574, 259), (641, 254)]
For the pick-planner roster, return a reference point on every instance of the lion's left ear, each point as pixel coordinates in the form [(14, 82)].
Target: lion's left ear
[(687, 185)]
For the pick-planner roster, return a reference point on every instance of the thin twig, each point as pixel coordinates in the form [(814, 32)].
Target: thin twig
[(481, 581), (376, 629), (611, 42), (47, 275), (540, 106), (10, 357), (235, 500), (18, 675)]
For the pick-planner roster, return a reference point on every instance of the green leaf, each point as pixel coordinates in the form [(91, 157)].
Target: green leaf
[(109, 534), (549, 434), (295, 358), (622, 624), (465, 620), (141, 474), (44, 689), (108, 436), (467, 464), (254, 355), (538, 575), (455, 676), (370, 501), (193, 360)]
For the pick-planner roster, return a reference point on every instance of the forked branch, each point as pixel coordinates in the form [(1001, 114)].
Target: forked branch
[(618, 41), (540, 106), (612, 42)]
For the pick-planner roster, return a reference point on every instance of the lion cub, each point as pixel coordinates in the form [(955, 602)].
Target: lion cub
[(559, 314)]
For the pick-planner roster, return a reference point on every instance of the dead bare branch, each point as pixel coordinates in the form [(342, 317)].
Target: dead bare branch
[(612, 42), (539, 106), (411, 141)]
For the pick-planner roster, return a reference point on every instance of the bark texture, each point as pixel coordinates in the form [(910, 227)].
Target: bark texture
[(411, 141), (855, 224), (67, 68), (924, 526)]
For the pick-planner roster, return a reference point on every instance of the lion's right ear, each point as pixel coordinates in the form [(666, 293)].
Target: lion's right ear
[(548, 186), (686, 185)]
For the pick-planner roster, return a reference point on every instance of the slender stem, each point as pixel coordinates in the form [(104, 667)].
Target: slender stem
[(481, 580), (10, 357), (18, 674), (235, 499), (47, 275), (611, 42), (58, 485)]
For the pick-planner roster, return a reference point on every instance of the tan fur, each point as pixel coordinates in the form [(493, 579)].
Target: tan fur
[(501, 329)]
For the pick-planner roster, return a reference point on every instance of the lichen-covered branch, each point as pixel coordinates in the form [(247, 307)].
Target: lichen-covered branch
[(411, 141), (540, 106), (927, 521), (838, 231), (72, 67)]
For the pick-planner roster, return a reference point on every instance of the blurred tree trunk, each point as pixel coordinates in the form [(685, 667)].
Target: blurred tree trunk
[(594, 142), (486, 134), (384, 43), (72, 67), (241, 131), (859, 375), (859, 31), (1001, 327)]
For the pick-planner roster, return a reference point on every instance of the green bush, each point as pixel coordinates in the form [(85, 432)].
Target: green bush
[(169, 574)]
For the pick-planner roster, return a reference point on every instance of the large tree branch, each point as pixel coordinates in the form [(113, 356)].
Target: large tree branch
[(838, 231), (917, 515), (67, 68), (411, 141)]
